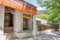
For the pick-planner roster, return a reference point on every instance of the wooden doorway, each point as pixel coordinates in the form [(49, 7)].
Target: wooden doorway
[(8, 23), (25, 26)]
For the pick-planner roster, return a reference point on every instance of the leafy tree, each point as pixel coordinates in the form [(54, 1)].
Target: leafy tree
[(54, 9)]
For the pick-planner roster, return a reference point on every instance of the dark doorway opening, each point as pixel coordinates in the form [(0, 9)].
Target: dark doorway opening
[(8, 23), (25, 22)]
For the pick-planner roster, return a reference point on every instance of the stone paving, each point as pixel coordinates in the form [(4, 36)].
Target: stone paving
[(53, 36), (43, 37)]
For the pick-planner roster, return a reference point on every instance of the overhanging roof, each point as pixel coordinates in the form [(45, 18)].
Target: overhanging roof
[(22, 6)]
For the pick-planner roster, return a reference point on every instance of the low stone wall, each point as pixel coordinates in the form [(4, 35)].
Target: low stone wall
[(18, 35), (8, 29), (22, 35), (49, 31)]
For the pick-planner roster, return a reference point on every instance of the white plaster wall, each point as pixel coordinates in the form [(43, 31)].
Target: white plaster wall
[(35, 28), (18, 21), (2, 11)]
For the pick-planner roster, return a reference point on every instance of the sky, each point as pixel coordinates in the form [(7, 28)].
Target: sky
[(34, 2)]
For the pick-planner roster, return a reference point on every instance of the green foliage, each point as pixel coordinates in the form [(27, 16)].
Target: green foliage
[(54, 9), (43, 16)]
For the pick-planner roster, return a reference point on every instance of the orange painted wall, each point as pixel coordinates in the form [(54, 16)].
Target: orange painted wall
[(17, 6)]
